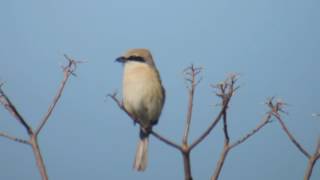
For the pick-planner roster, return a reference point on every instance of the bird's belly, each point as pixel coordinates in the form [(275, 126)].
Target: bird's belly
[(143, 98)]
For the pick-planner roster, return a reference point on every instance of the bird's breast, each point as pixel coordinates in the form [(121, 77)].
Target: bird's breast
[(142, 91)]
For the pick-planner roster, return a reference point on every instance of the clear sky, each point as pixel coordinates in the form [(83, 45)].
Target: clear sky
[(273, 44)]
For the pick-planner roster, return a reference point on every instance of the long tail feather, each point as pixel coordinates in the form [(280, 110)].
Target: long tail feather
[(141, 159)]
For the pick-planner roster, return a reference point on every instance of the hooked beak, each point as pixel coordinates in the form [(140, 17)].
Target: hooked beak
[(120, 59)]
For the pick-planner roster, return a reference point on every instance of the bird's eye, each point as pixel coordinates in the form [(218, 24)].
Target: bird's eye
[(136, 58)]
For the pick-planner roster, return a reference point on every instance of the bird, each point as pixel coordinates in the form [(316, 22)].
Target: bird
[(143, 97)]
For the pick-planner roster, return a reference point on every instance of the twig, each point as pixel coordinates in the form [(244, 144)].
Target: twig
[(191, 73), (264, 122), (221, 161), (67, 71), (225, 128), (291, 137), (227, 89), (208, 130), (5, 101), (312, 159), (227, 146), (113, 96), (14, 138), (33, 135), (165, 140)]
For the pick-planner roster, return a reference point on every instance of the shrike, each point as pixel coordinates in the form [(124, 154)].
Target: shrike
[(143, 97)]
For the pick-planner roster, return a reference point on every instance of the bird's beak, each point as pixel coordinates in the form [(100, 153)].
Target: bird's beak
[(120, 59)]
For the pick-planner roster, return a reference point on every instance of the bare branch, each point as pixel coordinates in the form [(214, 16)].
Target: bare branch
[(227, 90), (14, 138), (38, 156), (227, 147), (293, 140), (208, 130), (291, 137), (187, 164), (312, 161), (276, 108), (225, 128), (5, 101), (220, 163), (33, 135), (265, 121), (67, 70), (191, 73), (165, 140), (113, 96)]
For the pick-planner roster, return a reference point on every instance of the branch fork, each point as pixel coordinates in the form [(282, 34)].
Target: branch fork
[(68, 70), (226, 91)]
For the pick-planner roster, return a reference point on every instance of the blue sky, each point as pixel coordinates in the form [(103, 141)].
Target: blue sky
[(273, 44)]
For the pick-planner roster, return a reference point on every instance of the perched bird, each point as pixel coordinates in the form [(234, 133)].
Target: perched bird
[(143, 97)]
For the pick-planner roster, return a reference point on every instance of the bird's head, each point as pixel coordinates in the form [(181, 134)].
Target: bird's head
[(138, 55)]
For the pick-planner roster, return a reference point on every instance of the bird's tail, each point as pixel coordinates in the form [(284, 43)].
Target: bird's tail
[(141, 159)]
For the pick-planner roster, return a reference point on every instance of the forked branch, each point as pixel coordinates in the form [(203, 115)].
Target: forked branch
[(226, 91), (228, 146), (33, 134), (191, 78), (5, 101), (312, 158), (68, 70)]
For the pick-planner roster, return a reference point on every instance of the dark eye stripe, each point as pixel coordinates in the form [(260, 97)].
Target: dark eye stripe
[(136, 58)]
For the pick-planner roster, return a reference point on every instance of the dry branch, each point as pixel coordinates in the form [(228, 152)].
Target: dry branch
[(190, 76), (291, 137), (67, 71), (227, 146), (226, 91), (113, 96), (5, 101), (312, 158), (33, 134), (13, 138)]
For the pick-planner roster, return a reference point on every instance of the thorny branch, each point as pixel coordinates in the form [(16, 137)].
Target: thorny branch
[(33, 134)]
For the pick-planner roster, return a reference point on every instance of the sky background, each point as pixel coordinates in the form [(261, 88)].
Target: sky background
[(273, 44)]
